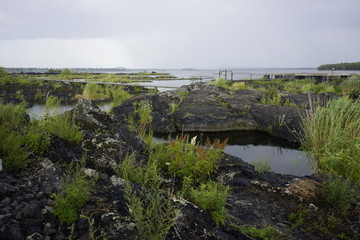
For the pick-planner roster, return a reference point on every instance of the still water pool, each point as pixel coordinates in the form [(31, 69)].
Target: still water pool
[(284, 157)]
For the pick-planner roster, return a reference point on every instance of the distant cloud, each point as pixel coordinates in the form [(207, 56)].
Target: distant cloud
[(176, 34)]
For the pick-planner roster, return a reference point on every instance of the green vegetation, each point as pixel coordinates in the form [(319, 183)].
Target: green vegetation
[(93, 91), (340, 66), (211, 197), (51, 106), (152, 209), (118, 95), (351, 85), (264, 233), (141, 119), (184, 159), (93, 232), (146, 175), (76, 192), (19, 138), (261, 166), (338, 193), (298, 217), (332, 135), (62, 126)]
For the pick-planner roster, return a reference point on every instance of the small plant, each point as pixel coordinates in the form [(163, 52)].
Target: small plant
[(221, 83), (184, 159), (238, 86), (118, 95), (298, 217), (211, 197), (264, 233), (62, 126), (93, 232), (92, 91), (76, 192), (152, 211), (51, 106), (262, 166), (146, 175), (339, 193), (351, 85)]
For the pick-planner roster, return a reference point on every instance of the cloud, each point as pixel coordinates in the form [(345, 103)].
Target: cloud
[(187, 33)]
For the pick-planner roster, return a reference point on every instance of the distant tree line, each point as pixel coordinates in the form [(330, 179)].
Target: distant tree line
[(340, 66)]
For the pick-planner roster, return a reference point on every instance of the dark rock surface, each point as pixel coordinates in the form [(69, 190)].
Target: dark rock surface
[(255, 198)]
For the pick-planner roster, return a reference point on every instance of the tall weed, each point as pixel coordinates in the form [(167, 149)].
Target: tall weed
[(332, 135)]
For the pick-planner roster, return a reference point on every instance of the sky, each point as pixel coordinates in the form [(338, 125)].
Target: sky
[(204, 34)]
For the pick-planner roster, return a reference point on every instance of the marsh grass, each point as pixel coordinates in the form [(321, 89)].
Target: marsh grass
[(118, 95), (332, 135)]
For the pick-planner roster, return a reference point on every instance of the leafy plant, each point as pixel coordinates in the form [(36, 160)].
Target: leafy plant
[(93, 232), (76, 192), (118, 95), (338, 193), (211, 197)]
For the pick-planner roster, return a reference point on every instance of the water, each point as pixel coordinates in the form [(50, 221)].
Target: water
[(38, 110), (284, 157)]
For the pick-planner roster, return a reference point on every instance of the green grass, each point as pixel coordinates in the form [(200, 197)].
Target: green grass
[(51, 106), (211, 197), (76, 192), (93, 91), (264, 233), (261, 165), (332, 135), (118, 95)]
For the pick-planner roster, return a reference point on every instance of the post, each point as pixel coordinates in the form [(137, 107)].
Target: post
[(232, 76)]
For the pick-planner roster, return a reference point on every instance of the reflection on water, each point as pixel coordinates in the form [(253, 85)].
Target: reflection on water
[(284, 157), (37, 110)]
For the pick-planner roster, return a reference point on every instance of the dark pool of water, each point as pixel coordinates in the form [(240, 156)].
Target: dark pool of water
[(284, 157)]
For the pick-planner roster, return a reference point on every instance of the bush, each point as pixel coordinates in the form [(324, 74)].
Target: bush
[(338, 193), (76, 192), (62, 126), (146, 175), (184, 159), (211, 197), (92, 91), (118, 95), (332, 135), (238, 86), (261, 166)]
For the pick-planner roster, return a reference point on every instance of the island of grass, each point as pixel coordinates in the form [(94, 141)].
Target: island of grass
[(340, 66)]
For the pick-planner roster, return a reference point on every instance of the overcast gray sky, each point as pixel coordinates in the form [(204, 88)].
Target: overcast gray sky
[(178, 34)]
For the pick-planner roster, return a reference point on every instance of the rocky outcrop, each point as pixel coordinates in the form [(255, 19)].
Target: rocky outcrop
[(258, 199), (205, 108)]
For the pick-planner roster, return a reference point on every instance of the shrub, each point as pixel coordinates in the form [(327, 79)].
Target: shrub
[(118, 95), (221, 83), (332, 135), (76, 192), (153, 212), (92, 91), (12, 115), (146, 175), (338, 193), (211, 197), (62, 126), (238, 86), (184, 159)]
